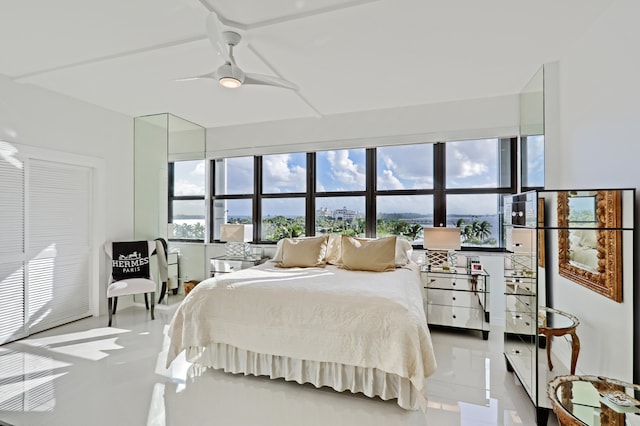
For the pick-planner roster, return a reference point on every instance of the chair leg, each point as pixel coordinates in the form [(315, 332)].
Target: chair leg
[(115, 304), (163, 291), (146, 301), (110, 303), (153, 305)]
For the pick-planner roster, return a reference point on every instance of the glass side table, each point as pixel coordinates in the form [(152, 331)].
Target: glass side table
[(594, 400)]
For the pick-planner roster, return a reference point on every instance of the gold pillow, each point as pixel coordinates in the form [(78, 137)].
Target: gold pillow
[(369, 255), (303, 252)]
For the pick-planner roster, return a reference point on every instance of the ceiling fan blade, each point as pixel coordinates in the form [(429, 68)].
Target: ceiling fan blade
[(211, 75), (214, 31), (268, 80)]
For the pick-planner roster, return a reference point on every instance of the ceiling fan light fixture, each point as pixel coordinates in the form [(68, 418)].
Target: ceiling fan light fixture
[(230, 82)]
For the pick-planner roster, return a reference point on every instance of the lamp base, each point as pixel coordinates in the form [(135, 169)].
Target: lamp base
[(240, 250), (438, 258)]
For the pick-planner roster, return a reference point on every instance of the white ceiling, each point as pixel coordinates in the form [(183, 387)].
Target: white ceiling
[(345, 56)]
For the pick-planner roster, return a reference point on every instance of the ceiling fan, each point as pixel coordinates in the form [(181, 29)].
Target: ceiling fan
[(229, 74)]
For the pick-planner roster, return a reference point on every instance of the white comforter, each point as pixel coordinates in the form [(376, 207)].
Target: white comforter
[(365, 319)]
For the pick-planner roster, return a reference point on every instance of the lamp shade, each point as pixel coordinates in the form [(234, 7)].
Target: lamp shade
[(441, 238), (521, 240), (236, 233)]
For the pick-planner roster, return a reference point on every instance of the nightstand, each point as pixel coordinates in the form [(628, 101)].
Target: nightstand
[(457, 298), (225, 264)]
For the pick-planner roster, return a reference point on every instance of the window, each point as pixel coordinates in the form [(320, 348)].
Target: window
[(232, 200), (284, 195), (186, 200), (390, 190), (404, 190), (532, 162), (340, 195), (477, 175)]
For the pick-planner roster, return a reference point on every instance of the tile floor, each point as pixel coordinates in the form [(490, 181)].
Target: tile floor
[(85, 373)]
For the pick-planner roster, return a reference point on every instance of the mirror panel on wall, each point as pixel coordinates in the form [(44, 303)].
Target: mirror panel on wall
[(161, 139), (151, 137), (532, 131)]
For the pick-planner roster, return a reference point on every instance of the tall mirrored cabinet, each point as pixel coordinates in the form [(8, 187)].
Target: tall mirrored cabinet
[(557, 239)]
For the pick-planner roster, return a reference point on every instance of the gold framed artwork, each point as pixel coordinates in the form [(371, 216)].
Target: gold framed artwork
[(541, 242), (589, 240)]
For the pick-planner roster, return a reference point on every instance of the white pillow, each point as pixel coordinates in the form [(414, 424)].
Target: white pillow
[(334, 249), (304, 252), (277, 257), (403, 250), (375, 255)]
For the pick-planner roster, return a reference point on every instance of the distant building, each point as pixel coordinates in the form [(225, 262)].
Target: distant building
[(338, 214), (344, 214), (323, 211)]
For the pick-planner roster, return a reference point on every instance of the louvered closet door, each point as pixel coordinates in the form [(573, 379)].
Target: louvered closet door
[(58, 244), (12, 315)]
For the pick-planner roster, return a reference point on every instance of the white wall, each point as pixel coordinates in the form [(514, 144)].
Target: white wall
[(593, 142), (39, 118), (476, 118)]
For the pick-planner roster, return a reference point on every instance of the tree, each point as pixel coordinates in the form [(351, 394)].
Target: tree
[(477, 232)]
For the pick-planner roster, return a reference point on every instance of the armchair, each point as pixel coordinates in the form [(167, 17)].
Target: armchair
[(130, 271)]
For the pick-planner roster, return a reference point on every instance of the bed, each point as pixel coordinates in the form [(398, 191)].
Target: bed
[(322, 322)]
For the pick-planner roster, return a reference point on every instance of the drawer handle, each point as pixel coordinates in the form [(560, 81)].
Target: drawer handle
[(515, 351), (454, 316), (453, 283), (454, 298), (518, 317)]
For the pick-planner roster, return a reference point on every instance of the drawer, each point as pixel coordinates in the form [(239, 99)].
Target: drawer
[(520, 303), (520, 285), (228, 265), (455, 316), (520, 323), (454, 298), (455, 282)]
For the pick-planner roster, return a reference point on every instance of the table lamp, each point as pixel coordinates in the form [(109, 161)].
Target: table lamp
[(441, 245), (236, 236)]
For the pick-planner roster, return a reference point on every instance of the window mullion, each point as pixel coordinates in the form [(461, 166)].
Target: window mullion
[(439, 183), (257, 198), (310, 209), (370, 197)]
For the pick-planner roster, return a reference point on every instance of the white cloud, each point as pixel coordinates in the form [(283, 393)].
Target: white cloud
[(281, 176), (388, 181), (199, 170), (345, 171), (411, 165), (183, 187)]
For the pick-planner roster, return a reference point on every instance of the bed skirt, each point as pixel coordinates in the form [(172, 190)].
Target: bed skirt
[(368, 381)]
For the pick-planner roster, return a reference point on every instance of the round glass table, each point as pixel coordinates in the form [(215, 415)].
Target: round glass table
[(553, 322), (594, 401)]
